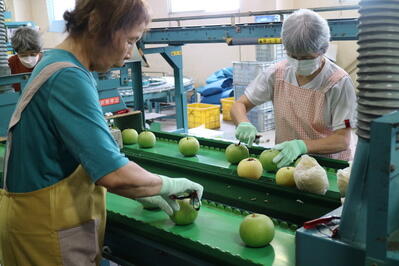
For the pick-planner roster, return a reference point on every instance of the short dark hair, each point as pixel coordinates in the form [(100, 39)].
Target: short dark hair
[(108, 16), (26, 39)]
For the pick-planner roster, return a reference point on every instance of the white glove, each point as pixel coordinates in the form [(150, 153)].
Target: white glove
[(172, 186), (176, 186), (156, 201)]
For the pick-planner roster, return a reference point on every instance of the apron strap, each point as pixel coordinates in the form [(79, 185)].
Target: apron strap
[(280, 70), (24, 100), (334, 79)]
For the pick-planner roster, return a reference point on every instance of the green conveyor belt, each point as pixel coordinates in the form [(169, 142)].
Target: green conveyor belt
[(215, 228), (222, 184), (214, 157)]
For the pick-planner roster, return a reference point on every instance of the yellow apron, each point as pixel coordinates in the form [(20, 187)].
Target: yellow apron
[(62, 224)]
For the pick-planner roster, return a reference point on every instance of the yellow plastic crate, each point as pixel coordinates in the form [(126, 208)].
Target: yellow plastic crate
[(227, 103), (203, 114)]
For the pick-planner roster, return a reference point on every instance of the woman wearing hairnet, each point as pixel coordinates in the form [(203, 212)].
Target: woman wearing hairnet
[(314, 99)]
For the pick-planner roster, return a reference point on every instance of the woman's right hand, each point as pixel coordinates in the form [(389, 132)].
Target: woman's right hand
[(246, 132), (175, 186)]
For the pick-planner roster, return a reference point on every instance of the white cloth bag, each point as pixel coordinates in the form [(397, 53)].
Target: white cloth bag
[(310, 176), (343, 176)]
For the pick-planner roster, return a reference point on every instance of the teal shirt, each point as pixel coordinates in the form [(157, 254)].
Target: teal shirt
[(61, 127)]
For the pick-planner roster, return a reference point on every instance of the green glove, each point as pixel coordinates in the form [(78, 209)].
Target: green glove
[(176, 186), (289, 151), (246, 132)]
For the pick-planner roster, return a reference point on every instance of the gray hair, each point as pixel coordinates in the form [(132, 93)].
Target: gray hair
[(26, 39), (305, 32)]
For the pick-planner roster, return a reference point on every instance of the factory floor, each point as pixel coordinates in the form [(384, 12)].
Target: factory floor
[(227, 131)]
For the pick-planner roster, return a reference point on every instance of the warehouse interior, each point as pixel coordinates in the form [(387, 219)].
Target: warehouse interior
[(182, 132)]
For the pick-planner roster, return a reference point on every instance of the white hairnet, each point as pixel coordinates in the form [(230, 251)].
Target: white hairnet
[(305, 32)]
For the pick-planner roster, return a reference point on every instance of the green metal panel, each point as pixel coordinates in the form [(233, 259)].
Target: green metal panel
[(215, 232), (341, 29), (209, 156)]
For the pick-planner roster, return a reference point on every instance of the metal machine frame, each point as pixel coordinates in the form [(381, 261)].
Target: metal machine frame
[(385, 180), (173, 55), (240, 34), (381, 245), (9, 100)]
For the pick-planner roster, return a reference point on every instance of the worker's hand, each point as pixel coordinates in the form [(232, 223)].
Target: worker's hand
[(156, 201), (289, 151), (246, 132), (176, 186)]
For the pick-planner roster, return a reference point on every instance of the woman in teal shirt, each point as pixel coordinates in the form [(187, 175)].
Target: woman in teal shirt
[(60, 154)]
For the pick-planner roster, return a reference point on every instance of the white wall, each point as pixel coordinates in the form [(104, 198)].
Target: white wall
[(36, 11), (39, 15), (284, 4), (21, 9)]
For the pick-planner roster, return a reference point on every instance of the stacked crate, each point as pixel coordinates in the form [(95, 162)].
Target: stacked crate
[(270, 52), (261, 116)]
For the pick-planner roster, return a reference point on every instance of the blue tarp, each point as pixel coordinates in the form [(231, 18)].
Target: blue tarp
[(216, 87), (226, 72), (219, 85), (215, 99)]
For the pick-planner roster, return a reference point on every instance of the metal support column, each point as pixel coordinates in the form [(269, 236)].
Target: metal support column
[(173, 55), (137, 87)]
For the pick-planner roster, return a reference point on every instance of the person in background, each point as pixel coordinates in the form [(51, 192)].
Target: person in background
[(61, 157), (27, 43), (314, 99)]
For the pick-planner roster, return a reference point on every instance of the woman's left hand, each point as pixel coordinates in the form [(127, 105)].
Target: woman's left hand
[(289, 151)]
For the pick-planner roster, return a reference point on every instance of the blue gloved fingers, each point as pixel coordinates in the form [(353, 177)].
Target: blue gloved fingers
[(283, 158), (288, 157), (245, 131), (289, 150), (238, 135), (251, 139), (247, 137), (279, 146), (242, 137), (278, 157), (284, 162)]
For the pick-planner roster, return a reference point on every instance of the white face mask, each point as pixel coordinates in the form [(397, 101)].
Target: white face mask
[(305, 67), (29, 61)]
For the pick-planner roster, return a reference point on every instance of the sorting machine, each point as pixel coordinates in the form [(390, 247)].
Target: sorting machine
[(138, 236)]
